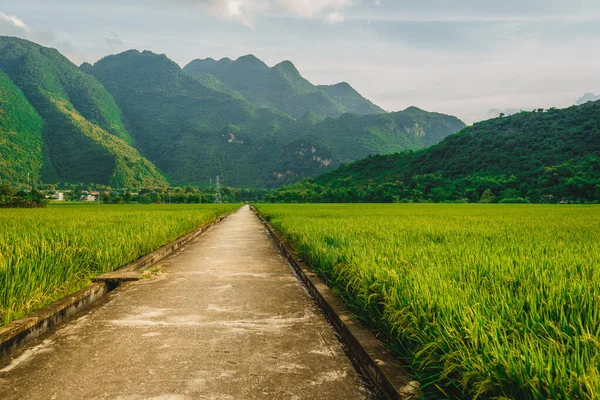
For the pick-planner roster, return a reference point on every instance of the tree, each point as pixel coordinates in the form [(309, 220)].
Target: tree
[(487, 196)]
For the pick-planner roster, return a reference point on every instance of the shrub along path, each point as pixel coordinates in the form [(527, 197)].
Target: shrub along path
[(226, 319)]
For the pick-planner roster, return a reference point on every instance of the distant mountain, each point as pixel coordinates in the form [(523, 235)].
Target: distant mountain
[(281, 87), (587, 97), (352, 101), (542, 156), (137, 119), (350, 137), (193, 129), (327, 144), (84, 139)]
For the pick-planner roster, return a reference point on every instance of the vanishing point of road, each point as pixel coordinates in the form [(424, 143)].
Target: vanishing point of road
[(227, 319)]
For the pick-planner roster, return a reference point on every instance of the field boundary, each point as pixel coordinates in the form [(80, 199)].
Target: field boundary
[(370, 354), (20, 331)]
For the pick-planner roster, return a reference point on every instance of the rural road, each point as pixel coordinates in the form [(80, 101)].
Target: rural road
[(226, 320)]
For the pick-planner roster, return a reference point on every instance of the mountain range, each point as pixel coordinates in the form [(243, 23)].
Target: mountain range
[(137, 119), (540, 156), (281, 87), (61, 124)]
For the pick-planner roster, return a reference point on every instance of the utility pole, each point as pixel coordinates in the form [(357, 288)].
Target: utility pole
[(218, 192)]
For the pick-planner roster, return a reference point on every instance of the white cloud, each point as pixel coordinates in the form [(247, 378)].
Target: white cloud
[(234, 10), (246, 11), (334, 18), (313, 8), (11, 25)]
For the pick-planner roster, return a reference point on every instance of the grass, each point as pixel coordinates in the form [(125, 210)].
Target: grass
[(481, 301), (48, 253)]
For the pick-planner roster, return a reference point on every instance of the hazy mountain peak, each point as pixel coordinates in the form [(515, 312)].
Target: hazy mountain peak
[(250, 59), (413, 109), (345, 95), (225, 61), (283, 87), (587, 97), (287, 66), (344, 85)]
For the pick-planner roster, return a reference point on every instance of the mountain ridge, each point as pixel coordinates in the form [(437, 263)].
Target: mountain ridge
[(540, 156), (246, 134), (81, 122), (138, 119), (281, 87)]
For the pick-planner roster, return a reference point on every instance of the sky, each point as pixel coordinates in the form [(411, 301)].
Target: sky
[(469, 58)]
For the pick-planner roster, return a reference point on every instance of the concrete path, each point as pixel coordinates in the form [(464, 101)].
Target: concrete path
[(226, 320)]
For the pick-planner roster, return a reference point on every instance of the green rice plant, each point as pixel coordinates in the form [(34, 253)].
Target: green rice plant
[(480, 301), (48, 253)]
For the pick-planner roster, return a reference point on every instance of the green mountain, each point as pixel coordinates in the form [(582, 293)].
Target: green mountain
[(193, 131), (190, 130), (322, 145), (352, 101), (84, 139), (21, 142), (121, 121), (280, 87), (541, 156)]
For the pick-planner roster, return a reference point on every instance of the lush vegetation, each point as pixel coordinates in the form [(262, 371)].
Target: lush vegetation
[(488, 301), (47, 253), (190, 131), (542, 156), (193, 129), (280, 88), (171, 195), (11, 198), (352, 136), (21, 156), (84, 139), (352, 101)]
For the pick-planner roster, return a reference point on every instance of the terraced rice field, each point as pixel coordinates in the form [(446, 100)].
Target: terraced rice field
[(488, 301), (48, 253)]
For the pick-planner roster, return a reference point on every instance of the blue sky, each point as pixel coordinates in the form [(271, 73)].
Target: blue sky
[(461, 57)]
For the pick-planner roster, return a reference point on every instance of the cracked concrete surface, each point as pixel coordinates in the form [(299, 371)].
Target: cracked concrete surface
[(227, 320)]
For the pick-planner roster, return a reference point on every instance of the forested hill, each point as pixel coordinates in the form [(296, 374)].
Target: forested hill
[(541, 156), (281, 87), (136, 119), (193, 130), (21, 156), (346, 96), (83, 139)]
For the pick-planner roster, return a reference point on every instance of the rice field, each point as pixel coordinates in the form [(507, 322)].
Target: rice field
[(48, 253), (480, 301)]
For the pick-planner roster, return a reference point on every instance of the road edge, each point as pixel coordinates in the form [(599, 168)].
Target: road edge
[(21, 331), (376, 361)]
